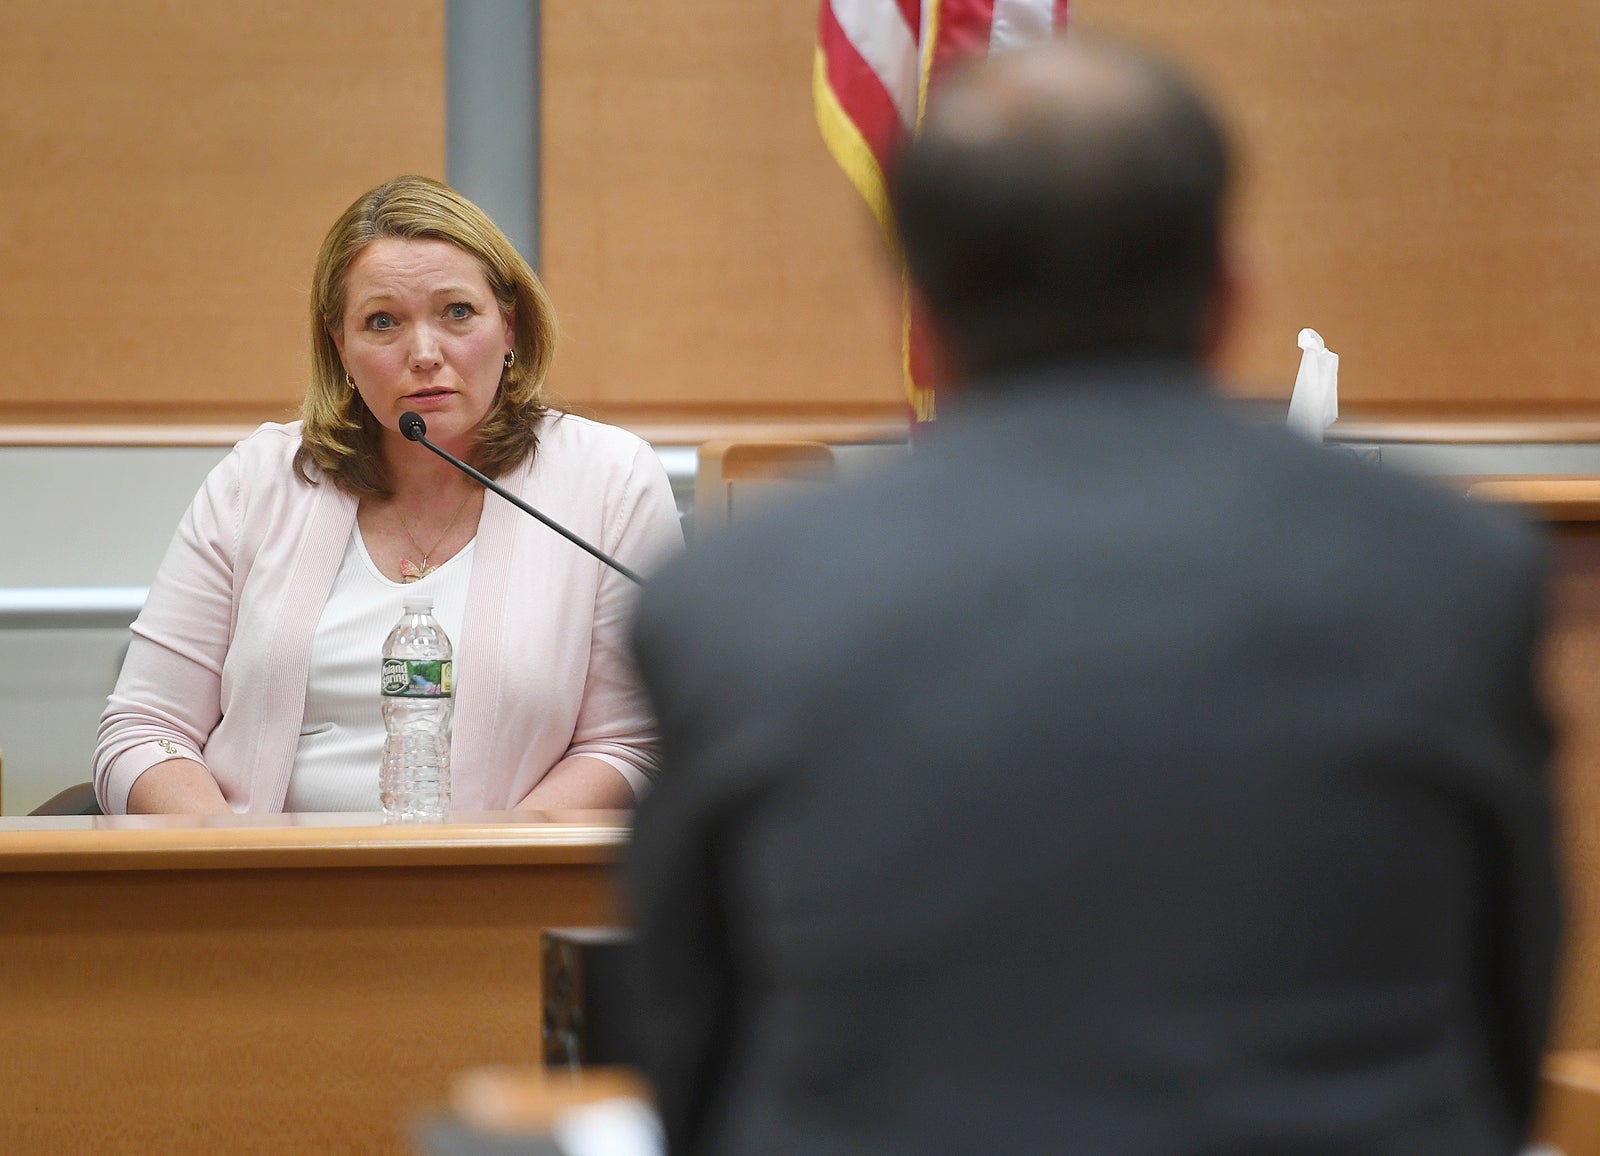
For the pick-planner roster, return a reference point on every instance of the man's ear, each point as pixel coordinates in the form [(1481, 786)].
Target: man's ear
[(1232, 289)]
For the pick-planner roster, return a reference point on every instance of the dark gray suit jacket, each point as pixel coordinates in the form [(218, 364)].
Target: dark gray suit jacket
[(1112, 778)]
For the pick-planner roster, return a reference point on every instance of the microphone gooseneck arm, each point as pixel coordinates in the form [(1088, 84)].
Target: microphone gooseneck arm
[(414, 428)]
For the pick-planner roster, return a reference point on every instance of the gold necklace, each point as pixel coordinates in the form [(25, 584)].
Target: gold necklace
[(412, 571)]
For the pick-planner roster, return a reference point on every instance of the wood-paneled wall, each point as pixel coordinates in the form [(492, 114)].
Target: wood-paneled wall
[(169, 172), (704, 252), (1418, 186)]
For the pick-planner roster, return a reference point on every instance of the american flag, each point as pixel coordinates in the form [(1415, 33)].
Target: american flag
[(874, 62)]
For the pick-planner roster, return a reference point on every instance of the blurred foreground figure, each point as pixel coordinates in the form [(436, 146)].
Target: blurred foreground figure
[(1112, 777)]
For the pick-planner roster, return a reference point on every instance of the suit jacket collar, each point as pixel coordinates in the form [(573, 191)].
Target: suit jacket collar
[(1126, 383)]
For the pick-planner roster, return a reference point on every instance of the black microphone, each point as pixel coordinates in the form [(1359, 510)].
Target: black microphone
[(416, 430)]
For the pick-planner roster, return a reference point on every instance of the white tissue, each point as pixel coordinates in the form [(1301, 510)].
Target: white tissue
[(1314, 405), (619, 1127)]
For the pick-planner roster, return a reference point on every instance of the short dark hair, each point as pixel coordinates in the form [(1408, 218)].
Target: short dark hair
[(1057, 231)]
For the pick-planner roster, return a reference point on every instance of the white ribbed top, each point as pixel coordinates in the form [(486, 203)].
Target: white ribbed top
[(341, 736)]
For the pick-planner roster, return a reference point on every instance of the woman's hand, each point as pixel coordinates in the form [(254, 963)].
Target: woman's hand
[(178, 787)]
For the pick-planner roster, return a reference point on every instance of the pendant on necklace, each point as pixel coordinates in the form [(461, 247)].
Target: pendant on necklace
[(411, 571)]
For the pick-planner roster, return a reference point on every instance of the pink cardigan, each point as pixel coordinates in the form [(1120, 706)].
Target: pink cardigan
[(218, 664)]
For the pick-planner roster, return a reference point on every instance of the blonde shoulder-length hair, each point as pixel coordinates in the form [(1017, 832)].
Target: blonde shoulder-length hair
[(339, 435)]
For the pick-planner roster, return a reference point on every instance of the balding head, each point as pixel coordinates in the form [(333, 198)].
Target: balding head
[(1064, 201)]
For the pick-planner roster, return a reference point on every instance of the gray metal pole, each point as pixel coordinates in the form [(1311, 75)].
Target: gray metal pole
[(492, 112)]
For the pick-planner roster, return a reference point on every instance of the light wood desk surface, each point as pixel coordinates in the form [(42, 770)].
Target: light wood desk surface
[(274, 984), (1569, 1104), (1550, 497), (184, 842)]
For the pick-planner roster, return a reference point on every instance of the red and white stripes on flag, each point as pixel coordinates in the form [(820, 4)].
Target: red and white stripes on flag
[(873, 64)]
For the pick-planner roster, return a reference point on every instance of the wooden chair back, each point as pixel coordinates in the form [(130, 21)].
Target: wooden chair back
[(737, 478)]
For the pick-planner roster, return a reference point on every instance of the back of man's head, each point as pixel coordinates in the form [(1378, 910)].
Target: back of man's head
[(1064, 201)]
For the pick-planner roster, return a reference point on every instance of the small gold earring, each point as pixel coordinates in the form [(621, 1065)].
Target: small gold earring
[(350, 381), (511, 358)]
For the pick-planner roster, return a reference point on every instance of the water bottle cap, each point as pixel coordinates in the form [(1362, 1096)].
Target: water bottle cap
[(418, 604)]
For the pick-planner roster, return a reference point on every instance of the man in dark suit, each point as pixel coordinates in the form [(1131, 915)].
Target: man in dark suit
[(1114, 776)]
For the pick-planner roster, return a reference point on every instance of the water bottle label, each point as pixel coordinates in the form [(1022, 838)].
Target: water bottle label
[(418, 678)]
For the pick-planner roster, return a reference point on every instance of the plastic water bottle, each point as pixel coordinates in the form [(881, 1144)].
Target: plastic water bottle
[(418, 685)]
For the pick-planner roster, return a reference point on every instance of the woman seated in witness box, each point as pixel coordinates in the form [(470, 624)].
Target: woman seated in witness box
[(251, 683)]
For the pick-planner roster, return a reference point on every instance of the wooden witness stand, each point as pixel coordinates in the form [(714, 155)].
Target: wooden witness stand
[(274, 984)]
